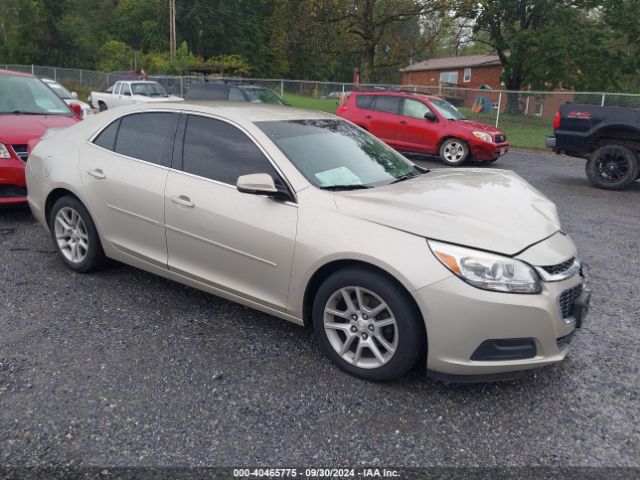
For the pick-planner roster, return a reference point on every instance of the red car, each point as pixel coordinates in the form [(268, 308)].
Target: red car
[(424, 124), (27, 109)]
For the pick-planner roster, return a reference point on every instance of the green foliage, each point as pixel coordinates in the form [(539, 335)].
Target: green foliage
[(114, 55), (230, 65)]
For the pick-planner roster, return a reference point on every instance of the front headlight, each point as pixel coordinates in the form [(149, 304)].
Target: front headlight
[(4, 152), (487, 270), (485, 137)]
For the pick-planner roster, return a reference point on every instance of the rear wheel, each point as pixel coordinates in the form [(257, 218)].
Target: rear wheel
[(367, 325), (75, 236), (612, 167), (454, 152)]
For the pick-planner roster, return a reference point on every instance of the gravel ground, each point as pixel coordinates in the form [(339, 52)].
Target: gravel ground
[(123, 368)]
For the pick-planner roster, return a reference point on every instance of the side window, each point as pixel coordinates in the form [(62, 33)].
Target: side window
[(216, 150), (126, 89), (107, 138), (364, 101), (414, 108), (148, 136), (388, 104), (116, 90), (235, 95)]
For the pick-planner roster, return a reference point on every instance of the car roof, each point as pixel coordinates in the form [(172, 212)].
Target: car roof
[(397, 94), (17, 74), (236, 111)]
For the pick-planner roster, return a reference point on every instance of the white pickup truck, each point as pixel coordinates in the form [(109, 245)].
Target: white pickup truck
[(128, 93)]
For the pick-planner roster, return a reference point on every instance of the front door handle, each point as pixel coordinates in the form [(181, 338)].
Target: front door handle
[(403, 122), (97, 173), (183, 201), (368, 117)]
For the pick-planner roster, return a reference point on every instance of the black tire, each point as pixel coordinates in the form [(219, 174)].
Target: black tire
[(612, 167), (411, 343), (94, 257), (102, 106), (454, 152)]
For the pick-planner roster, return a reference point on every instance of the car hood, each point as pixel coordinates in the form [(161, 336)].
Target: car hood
[(19, 129), (473, 125), (492, 210)]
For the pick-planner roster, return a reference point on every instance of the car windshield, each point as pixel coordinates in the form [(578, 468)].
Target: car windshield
[(447, 110), (334, 154), (29, 96), (149, 89), (264, 95), (60, 90)]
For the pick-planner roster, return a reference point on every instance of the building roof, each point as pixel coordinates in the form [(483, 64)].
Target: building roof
[(454, 62)]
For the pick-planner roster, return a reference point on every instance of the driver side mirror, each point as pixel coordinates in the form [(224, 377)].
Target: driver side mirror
[(257, 184), (430, 116)]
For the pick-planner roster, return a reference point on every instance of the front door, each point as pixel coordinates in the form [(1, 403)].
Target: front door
[(238, 242), (415, 133)]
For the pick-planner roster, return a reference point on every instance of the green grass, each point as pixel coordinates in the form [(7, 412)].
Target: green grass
[(522, 131)]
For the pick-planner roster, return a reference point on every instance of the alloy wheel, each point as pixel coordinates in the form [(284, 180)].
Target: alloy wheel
[(453, 152), (612, 167), (71, 235), (361, 327)]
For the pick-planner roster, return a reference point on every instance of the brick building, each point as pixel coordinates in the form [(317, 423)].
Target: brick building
[(453, 74)]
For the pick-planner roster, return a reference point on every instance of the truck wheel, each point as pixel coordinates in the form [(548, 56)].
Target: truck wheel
[(102, 106), (454, 152), (612, 167)]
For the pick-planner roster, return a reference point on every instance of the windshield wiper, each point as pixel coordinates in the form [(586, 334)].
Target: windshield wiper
[(23, 112), (345, 187), (416, 173)]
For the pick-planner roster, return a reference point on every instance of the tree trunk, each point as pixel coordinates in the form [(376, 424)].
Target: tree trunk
[(514, 85)]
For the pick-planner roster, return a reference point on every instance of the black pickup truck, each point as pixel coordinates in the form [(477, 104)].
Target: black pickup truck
[(608, 137)]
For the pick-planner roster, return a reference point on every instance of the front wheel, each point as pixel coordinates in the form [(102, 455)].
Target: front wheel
[(454, 152), (75, 236), (612, 167), (102, 106), (367, 325)]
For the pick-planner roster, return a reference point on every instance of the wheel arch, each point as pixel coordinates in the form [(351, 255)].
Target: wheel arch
[(624, 135), (55, 195), (322, 273)]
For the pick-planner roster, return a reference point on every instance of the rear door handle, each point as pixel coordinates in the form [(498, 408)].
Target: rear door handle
[(368, 117), (403, 122), (97, 173), (183, 201)]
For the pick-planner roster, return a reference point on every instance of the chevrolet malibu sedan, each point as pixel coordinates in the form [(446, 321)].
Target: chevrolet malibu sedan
[(307, 217)]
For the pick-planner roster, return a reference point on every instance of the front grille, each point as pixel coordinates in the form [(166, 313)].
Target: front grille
[(566, 340), (559, 268), (567, 300), (21, 151), (12, 191), (501, 138)]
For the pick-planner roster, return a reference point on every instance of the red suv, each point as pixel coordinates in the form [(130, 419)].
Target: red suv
[(28, 108), (424, 124)]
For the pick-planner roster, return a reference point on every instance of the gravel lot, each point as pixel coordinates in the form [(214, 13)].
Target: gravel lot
[(123, 368)]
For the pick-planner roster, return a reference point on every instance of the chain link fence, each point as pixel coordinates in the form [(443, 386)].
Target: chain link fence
[(525, 116)]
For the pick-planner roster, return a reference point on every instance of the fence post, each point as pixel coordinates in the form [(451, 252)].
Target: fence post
[(182, 86), (33, 72), (499, 106), (80, 77), (55, 74), (604, 96), (281, 88)]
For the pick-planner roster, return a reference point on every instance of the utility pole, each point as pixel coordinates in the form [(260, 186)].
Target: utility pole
[(172, 29)]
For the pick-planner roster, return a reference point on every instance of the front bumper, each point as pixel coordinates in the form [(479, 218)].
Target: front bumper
[(460, 317), (489, 151), (12, 182)]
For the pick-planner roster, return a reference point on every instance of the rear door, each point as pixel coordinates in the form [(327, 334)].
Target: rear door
[(124, 172), (415, 133), (386, 117)]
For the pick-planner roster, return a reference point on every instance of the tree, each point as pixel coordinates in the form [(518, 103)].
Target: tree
[(542, 43), (115, 55), (373, 28)]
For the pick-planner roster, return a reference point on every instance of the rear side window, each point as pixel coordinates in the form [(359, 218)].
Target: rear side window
[(107, 138), (235, 95), (364, 101), (388, 104), (219, 151), (210, 91), (148, 136)]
